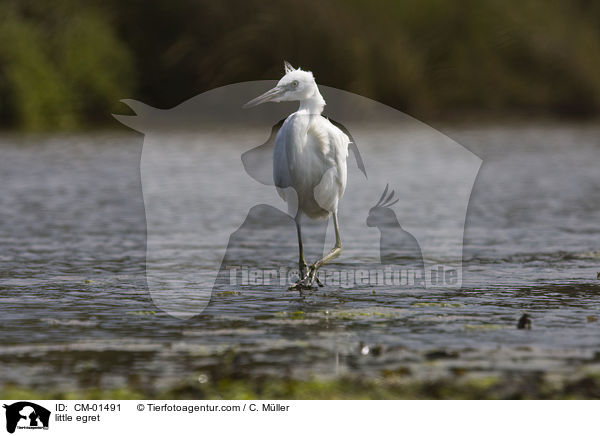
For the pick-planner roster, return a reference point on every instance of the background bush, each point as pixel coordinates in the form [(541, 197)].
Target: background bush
[(65, 64)]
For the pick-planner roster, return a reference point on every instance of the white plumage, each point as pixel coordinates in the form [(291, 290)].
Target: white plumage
[(309, 160), (310, 156)]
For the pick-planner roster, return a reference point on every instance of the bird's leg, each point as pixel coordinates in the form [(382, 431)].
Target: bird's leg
[(334, 253), (301, 260), (302, 271)]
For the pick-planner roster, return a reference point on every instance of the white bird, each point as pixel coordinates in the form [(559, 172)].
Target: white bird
[(309, 161)]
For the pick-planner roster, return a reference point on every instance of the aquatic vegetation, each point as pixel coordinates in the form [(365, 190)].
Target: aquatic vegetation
[(298, 314), (435, 304), (374, 312), (485, 327), (392, 384)]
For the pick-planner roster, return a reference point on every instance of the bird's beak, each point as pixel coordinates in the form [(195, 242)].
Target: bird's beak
[(270, 95)]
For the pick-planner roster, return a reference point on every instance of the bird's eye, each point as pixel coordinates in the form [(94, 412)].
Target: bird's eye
[(295, 83)]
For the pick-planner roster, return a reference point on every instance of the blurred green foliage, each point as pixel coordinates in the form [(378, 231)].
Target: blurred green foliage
[(66, 63), (61, 65), (390, 385)]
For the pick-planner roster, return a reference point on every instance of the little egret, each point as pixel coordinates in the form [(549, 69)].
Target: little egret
[(309, 162)]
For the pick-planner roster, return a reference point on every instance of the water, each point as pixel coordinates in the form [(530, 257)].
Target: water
[(74, 301)]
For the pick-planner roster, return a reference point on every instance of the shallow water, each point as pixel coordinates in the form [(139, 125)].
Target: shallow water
[(74, 301)]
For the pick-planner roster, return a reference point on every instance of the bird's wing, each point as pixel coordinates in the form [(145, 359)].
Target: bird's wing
[(258, 161), (280, 168), (352, 147), (334, 143)]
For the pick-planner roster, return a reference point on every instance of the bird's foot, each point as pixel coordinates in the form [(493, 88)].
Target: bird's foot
[(300, 285), (306, 282), (319, 282), (312, 275)]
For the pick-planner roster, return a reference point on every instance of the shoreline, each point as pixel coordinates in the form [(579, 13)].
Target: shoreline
[(533, 385)]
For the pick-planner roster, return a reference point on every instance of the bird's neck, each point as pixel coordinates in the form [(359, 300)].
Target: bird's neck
[(312, 105)]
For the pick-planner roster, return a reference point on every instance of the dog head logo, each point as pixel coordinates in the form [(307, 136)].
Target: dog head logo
[(26, 415), (207, 163)]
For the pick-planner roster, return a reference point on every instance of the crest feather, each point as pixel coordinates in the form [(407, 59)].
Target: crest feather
[(288, 67)]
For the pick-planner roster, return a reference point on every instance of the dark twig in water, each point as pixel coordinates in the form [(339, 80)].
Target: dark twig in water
[(524, 322)]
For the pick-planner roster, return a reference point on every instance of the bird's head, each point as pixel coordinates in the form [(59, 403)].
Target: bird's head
[(381, 215), (296, 85)]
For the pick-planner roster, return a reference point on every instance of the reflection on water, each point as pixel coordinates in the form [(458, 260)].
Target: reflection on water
[(74, 299)]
